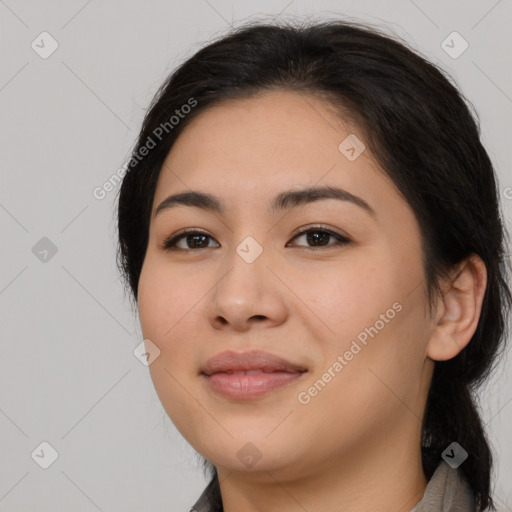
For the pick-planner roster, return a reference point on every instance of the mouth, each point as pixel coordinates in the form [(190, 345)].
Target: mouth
[(249, 384), (249, 375)]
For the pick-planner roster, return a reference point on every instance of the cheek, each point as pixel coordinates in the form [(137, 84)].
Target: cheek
[(150, 304), (169, 314), (378, 383), (387, 354), (375, 323), (349, 296), (165, 313), (160, 300)]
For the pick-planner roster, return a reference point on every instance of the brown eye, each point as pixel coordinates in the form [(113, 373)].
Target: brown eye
[(193, 239), (318, 238)]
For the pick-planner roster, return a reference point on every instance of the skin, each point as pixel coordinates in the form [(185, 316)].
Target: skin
[(356, 444)]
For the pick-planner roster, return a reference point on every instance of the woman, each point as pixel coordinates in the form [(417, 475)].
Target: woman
[(310, 229)]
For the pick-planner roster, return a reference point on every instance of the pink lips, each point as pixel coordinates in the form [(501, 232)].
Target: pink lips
[(249, 375)]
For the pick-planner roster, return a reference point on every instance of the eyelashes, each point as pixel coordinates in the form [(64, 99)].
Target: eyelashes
[(170, 243), (201, 237)]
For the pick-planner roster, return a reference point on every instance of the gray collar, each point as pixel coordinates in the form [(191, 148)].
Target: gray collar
[(447, 491)]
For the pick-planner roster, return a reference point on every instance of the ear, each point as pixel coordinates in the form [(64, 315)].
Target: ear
[(458, 310)]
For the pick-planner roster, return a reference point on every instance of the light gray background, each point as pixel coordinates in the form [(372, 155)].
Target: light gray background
[(68, 375)]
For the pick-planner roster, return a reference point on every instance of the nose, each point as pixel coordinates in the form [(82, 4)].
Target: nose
[(247, 295)]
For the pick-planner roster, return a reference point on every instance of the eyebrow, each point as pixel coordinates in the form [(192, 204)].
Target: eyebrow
[(283, 201)]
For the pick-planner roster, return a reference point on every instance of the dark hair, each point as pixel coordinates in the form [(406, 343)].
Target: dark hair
[(420, 130)]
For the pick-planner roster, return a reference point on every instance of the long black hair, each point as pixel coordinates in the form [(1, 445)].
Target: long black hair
[(421, 131)]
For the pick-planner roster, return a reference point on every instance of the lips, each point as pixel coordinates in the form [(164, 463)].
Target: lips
[(249, 362), (249, 375)]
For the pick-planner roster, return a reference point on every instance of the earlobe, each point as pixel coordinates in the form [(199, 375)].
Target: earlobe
[(460, 308)]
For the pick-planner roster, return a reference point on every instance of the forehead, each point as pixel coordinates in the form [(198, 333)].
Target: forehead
[(256, 147)]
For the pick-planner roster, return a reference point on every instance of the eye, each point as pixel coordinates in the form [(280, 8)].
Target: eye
[(195, 239), (318, 237)]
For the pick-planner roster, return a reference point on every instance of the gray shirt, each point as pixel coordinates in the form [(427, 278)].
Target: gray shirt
[(447, 491)]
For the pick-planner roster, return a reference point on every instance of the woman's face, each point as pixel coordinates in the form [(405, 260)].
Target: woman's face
[(348, 315)]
